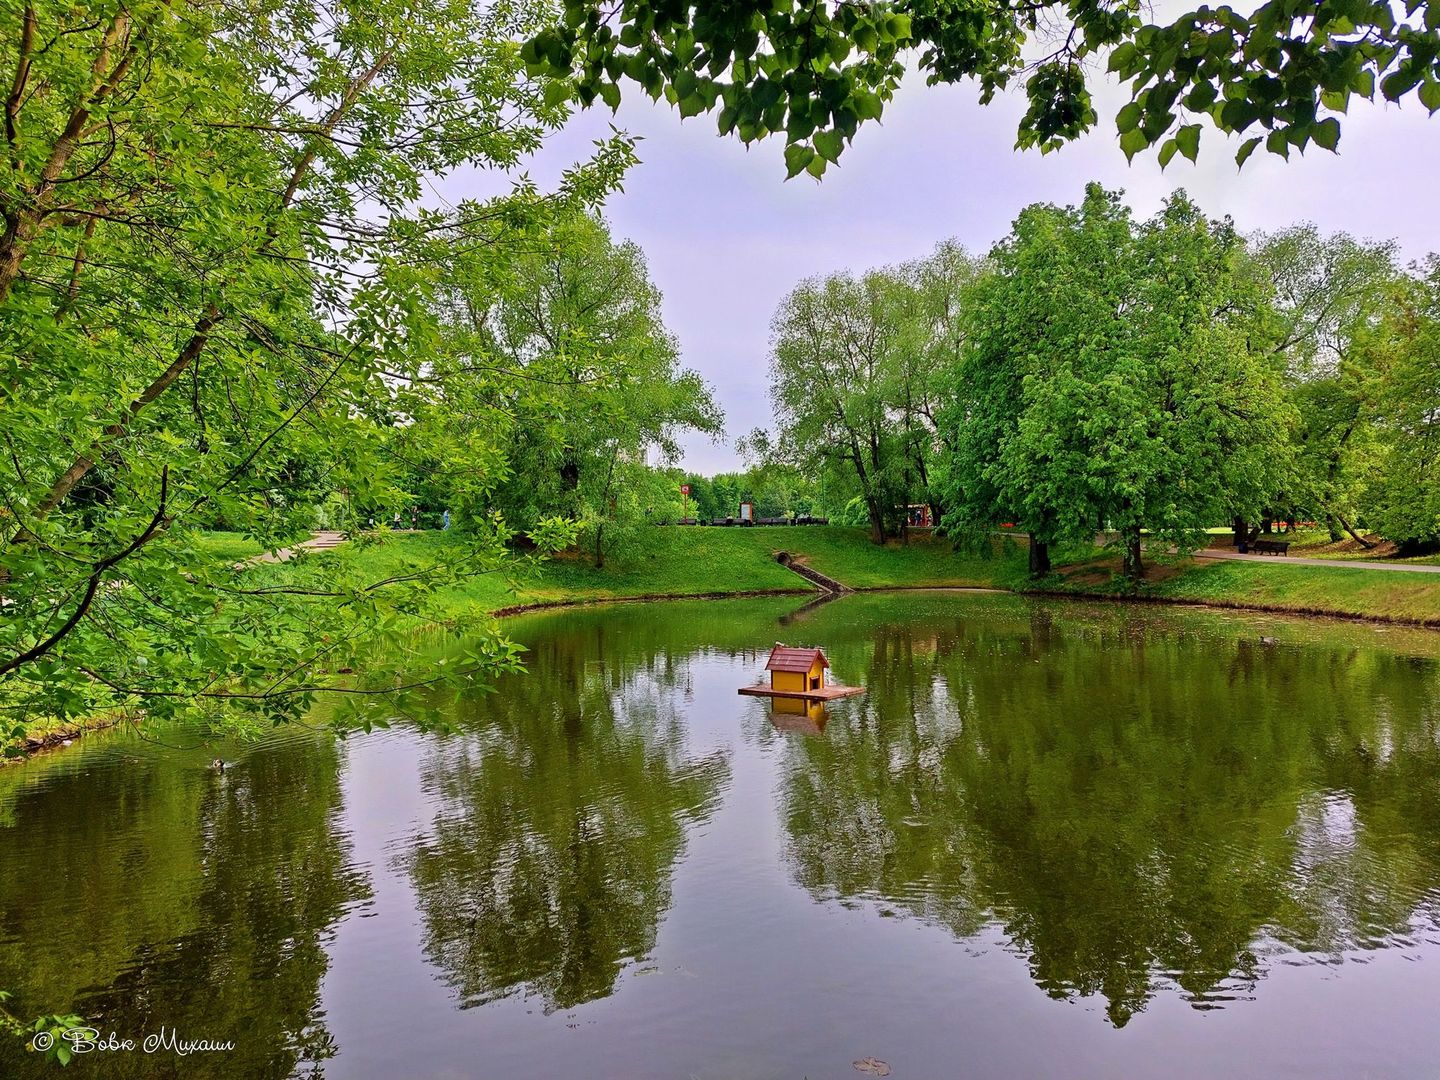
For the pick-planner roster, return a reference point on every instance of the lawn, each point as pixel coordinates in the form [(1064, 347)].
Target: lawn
[(677, 562), (687, 562), (227, 546), (1270, 585)]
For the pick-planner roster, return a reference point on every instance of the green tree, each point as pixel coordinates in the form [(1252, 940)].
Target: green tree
[(214, 262), (837, 352), (1117, 378), (813, 73), (1329, 293), (1404, 350), (565, 355)]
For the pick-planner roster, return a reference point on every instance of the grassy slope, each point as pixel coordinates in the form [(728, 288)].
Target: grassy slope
[(693, 562), (1273, 585), (227, 546), (700, 561)]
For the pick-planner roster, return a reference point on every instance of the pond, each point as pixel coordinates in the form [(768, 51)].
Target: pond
[(1050, 839)]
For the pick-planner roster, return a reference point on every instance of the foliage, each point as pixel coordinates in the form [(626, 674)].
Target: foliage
[(551, 385), (44, 1034), (1405, 348), (215, 263), (1329, 293), (1116, 379), (855, 380), (815, 72)]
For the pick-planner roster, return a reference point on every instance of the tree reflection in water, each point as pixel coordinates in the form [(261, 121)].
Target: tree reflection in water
[(559, 816), (1136, 801), (158, 893)]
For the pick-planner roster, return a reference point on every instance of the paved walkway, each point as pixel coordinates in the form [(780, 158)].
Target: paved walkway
[(1296, 560), (320, 541)]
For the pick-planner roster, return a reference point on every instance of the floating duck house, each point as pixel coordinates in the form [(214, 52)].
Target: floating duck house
[(799, 673), (795, 670)]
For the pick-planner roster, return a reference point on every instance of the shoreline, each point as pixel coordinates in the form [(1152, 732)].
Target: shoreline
[(63, 735), (1048, 594)]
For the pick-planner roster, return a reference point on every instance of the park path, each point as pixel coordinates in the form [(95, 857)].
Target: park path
[(323, 540), (1333, 564)]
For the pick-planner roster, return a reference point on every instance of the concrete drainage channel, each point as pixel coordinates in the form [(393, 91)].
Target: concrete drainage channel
[(823, 583)]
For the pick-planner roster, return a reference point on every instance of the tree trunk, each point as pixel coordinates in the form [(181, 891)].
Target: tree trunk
[(1334, 527), (599, 550), (1241, 529), (1134, 567), (1366, 544), (1039, 558), (877, 521)]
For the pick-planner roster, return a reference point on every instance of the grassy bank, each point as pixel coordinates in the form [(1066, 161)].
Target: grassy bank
[(712, 562), (1272, 585), (726, 562), (694, 562)]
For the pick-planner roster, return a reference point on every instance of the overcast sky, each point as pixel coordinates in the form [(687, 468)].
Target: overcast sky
[(726, 236)]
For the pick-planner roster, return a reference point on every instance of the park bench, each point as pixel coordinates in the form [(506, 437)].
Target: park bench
[(1270, 547)]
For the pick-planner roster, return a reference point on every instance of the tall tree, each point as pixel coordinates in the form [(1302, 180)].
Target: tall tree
[(567, 356), (1117, 377), (835, 348), (213, 260), (1329, 292), (1403, 352)]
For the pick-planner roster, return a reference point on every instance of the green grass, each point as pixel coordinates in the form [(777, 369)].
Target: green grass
[(678, 562), (1270, 585), (227, 546), (688, 562)]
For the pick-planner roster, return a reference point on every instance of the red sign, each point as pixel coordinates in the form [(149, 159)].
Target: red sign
[(684, 489)]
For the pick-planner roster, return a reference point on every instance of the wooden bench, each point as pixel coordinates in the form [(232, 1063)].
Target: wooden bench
[(1270, 547)]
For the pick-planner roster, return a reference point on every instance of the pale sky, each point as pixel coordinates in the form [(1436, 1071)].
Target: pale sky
[(726, 236)]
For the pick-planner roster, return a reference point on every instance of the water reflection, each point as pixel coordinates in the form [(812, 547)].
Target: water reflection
[(558, 819), (161, 893), (1136, 802), (798, 715)]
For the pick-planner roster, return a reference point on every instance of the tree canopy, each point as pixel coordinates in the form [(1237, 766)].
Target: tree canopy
[(218, 283), (1281, 75)]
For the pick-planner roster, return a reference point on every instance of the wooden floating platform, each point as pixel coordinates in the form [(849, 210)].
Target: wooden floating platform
[(825, 693)]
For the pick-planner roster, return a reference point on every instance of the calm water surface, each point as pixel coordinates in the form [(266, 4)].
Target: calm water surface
[(1049, 841)]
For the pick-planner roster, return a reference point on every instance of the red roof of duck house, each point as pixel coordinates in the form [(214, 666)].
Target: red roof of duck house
[(783, 658)]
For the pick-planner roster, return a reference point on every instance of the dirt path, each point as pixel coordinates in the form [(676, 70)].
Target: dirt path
[(1297, 560)]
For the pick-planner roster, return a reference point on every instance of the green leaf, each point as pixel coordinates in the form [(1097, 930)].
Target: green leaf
[(1167, 152), (797, 157), (1188, 140), (1430, 92), (828, 144), (1327, 132), (1128, 118), (1246, 149), (556, 93), (1398, 83), (1132, 142)]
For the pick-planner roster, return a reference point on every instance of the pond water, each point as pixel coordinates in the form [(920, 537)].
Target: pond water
[(1050, 840)]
